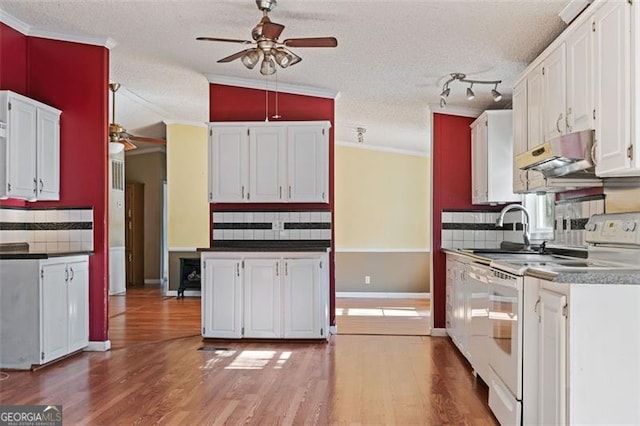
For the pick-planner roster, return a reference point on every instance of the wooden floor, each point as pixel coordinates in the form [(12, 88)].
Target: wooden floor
[(352, 379), (399, 317)]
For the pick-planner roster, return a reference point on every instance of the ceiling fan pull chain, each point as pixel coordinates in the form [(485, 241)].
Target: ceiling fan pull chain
[(276, 116), (266, 99)]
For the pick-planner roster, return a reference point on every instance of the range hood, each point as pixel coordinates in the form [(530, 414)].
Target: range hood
[(565, 156)]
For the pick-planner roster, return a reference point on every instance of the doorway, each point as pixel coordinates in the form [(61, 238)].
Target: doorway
[(134, 234)]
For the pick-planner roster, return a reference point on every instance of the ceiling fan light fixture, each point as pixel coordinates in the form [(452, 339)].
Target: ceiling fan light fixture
[(251, 58), (268, 66), (115, 148), (283, 57)]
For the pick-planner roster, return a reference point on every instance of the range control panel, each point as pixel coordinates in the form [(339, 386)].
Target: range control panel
[(617, 228)]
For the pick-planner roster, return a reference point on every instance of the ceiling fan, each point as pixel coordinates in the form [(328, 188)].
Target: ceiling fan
[(119, 138), (265, 36)]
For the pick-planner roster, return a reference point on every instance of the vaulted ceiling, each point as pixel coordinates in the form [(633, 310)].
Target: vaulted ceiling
[(391, 61)]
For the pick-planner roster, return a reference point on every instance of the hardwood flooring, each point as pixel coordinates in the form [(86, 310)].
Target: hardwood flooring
[(352, 379), (400, 317)]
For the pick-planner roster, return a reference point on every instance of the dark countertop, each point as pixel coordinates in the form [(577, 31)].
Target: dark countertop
[(13, 255), (269, 245)]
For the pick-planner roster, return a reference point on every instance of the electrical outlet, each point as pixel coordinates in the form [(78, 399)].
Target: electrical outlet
[(367, 279)]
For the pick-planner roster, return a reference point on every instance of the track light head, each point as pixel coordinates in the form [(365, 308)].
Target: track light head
[(470, 95), (497, 96)]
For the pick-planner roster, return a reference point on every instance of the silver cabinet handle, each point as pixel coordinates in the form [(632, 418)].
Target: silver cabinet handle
[(558, 123), (73, 274), (593, 152), (66, 274), (566, 120), (280, 189), (243, 192), (35, 186), (41, 185), (286, 268), (238, 269), (289, 191), (277, 269)]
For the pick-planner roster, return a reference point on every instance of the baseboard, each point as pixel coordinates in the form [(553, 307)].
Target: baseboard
[(333, 329), (187, 293), (98, 346), (439, 332), (152, 281), (383, 295)]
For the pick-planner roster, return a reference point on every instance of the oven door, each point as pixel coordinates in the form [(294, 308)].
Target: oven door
[(505, 335)]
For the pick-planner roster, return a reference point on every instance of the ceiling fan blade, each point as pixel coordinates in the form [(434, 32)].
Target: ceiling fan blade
[(128, 145), (228, 40), (235, 56), (311, 42), (156, 141), (271, 30)]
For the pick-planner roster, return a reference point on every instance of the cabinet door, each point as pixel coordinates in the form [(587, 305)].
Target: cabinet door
[(535, 119), (611, 24), (228, 164), (554, 93), (479, 162), (262, 296), (450, 282), (54, 337), (22, 149), (48, 154), (302, 299), (78, 304), (579, 79), (308, 164), (267, 163), (222, 298), (520, 139), (552, 360)]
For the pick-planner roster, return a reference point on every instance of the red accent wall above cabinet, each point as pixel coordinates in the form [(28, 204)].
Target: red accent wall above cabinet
[(13, 60)]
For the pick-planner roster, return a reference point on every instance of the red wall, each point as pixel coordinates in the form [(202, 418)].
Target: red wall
[(13, 60), (451, 190), (73, 78), (230, 103)]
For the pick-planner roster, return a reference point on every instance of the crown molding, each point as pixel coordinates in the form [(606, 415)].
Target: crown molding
[(282, 87), (14, 22), (455, 110), (31, 31), (383, 149), (185, 123)]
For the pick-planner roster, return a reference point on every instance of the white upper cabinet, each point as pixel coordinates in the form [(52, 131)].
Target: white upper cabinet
[(269, 162), (554, 83), (612, 74), (520, 137), (492, 148), (589, 78), (267, 158), (228, 164), (308, 164), (30, 152), (579, 115)]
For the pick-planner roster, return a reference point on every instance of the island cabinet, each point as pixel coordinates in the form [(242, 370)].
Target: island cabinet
[(265, 295), (269, 162), (44, 309), (29, 148)]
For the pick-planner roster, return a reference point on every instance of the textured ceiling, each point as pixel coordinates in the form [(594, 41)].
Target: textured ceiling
[(391, 61)]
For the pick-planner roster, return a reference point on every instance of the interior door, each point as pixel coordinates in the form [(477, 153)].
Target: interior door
[(134, 234)]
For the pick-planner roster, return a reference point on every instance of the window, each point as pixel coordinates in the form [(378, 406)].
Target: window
[(541, 208)]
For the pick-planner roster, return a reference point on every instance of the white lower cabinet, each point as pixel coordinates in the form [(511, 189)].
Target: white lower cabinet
[(265, 295), (587, 354), (44, 309)]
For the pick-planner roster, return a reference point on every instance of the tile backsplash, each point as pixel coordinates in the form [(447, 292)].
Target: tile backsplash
[(48, 230), (271, 225), (473, 229)]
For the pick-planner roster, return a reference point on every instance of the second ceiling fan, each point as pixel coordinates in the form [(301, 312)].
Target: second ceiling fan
[(268, 48)]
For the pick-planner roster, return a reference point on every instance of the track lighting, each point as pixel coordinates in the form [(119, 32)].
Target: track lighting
[(497, 96), (470, 95)]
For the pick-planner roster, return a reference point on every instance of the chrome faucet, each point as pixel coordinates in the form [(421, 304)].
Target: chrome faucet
[(526, 233)]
